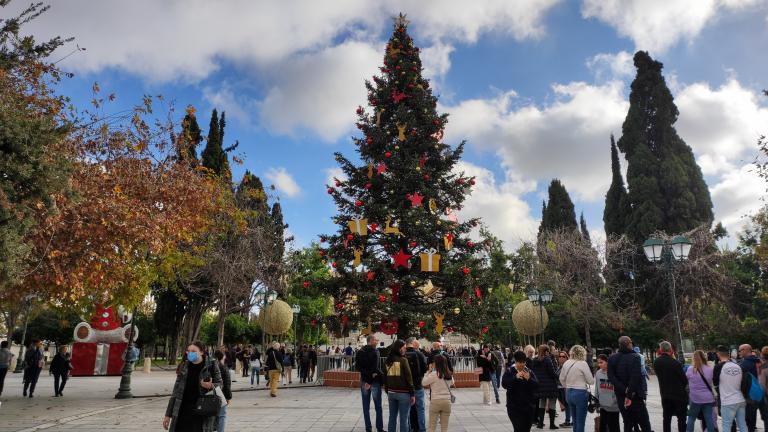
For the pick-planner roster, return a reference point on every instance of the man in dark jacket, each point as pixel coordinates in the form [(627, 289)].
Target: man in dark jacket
[(630, 386), (672, 383), (750, 363), (33, 364), (418, 362), (368, 364)]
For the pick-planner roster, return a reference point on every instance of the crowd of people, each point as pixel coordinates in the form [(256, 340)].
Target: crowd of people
[(613, 384)]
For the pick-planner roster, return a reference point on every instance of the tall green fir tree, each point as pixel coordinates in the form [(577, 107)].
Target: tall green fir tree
[(558, 212), (189, 139), (617, 207), (400, 256), (666, 190), (583, 228), (214, 156)]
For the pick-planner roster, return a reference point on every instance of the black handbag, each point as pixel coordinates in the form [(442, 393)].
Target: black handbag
[(593, 404), (207, 405)]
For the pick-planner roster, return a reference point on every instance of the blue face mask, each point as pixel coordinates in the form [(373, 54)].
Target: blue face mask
[(193, 356)]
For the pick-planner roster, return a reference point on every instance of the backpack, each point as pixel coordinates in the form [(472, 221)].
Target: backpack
[(751, 388)]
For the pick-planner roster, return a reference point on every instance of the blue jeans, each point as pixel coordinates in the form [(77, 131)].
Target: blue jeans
[(421, 410), (495, 384), (375, 391), (399, 404), (739, 411), (222, 418), (693, 414), (577, 402), (255, 374)]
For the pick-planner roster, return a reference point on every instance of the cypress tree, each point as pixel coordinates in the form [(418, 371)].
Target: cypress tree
[(191, 136), (616, 202), (666, 188), (558, 212), (214, 156), (250, 194), (584, 230)]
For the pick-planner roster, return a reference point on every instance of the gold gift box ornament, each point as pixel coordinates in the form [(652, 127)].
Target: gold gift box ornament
[(430, 261), (358, 226)]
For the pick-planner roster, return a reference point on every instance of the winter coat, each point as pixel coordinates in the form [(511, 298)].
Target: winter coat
[(368, 364), (60, 365), (226, 381), (672, 379), (520, 392), (575, 374), (209, 370), (274, 359), (626, 376), (546, 376), (399, 378), (418, 363), (487, 366), (750, 364)]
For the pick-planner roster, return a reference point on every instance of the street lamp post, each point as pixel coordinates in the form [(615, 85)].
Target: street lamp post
[(124, 392), (667, 254), (263, 297), (540, 298), (20, 362), (296, 309)]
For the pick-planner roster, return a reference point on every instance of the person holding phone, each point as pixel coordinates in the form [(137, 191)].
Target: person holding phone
[(195, 375), (521, 385)]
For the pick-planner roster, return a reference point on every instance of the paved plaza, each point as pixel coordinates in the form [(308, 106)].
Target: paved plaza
[(89, 406)]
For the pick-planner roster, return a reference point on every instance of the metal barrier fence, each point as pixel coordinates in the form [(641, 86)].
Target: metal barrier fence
[(347, 364)]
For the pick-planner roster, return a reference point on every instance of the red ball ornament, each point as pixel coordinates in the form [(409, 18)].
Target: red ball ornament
[(470, 244), (333, 264), (436, 122), (421, 324), (382, 298), (322, 253), (368, 186), (338, 183), (350, 237), (465, 270), (339, 306), (369, 141), (460, 181), (306, 284), (322, 239), (426, 176), (410, 86), (472, 182), (397, 67), (330, 190), (388, 154), (359, 108), (358, 203), (374, 226)]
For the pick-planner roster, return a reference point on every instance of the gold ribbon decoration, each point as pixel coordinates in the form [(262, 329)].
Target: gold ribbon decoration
[(400, 131)]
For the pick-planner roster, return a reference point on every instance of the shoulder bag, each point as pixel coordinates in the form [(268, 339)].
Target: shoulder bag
[(207, 405), (448, 384)]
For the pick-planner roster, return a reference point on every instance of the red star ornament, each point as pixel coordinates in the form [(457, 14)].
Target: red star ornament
[(370, 275), (397, 97), (401, 259), (415, 199)]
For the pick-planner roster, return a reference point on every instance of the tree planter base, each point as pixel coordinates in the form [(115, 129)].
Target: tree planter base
[(346, 379)]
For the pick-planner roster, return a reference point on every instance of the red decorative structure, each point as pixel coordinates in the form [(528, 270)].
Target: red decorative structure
[(99, 345)]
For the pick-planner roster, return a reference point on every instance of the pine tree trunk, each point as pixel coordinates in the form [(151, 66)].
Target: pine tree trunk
[(587, 335), (220, 328)]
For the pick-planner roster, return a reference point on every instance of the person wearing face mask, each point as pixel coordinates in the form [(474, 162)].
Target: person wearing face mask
[(194, 377)]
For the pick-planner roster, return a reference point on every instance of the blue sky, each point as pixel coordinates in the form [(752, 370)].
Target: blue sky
[(535, 87)]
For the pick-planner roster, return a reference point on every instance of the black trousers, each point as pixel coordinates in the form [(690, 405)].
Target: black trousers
[(609, 421), (59, 387), (521, 418), (635, 415), (3, 372), (677, 408), (31, 374)]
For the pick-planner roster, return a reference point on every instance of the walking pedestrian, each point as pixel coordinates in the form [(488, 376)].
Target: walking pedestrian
[(34, 362), (547, 390), (485, 361), (312, 362), (700, 392), (5, 362), (749, 364), (418, 364), (630, 386), (369, 365), (727, 378), (576, 377), (288, 363), (672, 386), (562, 357), (275, 367), (521, 385), (762, 379), (606, 396), (195, 375), (226, 388), (256, 366), (60, 367), (439, 380), (398, 384)]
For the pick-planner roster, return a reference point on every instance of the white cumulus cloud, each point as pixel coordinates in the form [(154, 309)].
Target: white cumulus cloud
[(283, 182), (657, 25)]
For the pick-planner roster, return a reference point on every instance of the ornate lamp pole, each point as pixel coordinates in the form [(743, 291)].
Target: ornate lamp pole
[(296, 309), (540, 298), (666, 255), (124, 392)]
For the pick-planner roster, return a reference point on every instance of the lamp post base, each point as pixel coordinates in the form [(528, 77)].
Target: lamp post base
[(124, 392)]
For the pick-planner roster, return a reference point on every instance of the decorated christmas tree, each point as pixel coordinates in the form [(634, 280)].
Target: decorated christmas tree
[(403, 264)]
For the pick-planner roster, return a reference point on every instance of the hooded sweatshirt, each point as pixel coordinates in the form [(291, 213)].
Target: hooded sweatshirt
[(604, 392)]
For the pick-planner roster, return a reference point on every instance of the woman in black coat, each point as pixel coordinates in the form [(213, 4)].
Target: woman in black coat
[(60, 366), (547, 393), (521, 385), (195, 375)]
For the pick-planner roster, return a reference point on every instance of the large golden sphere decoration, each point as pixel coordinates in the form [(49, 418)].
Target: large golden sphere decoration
[(527, 318), (276, 318)]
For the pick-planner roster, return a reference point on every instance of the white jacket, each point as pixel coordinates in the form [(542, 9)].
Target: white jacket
[(575, 374)]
